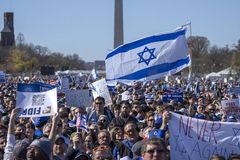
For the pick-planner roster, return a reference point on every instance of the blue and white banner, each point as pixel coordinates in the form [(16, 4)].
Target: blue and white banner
[(34, 87), (148, 58), (167, 97), (2, 77), (36, 102)]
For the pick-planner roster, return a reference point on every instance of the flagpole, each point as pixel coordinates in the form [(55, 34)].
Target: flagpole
[(86, 80), (190, 52)]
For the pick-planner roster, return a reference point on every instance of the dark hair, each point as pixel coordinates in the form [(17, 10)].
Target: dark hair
[(217, 157), (234, 157), (117, 107), (114, 131), (136, 103), (126, 103), (131, 122), (155, 141), (100, 98), (21, 125), (149, 114), (105, 149), (30, 125)]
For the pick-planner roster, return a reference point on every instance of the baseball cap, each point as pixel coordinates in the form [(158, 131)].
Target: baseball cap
[(62, 138), (81, 155), (231, 119), (200, 116), (20, 149), (155, 133), (44, 144)]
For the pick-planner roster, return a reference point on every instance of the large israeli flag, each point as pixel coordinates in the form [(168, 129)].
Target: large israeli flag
[(148, 58)]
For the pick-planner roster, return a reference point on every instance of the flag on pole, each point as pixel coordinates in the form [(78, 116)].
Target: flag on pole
[(149, 58), (81, 122), (78, 122)]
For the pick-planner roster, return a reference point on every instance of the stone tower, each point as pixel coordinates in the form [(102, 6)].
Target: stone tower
[(118, 23), (7, 34)]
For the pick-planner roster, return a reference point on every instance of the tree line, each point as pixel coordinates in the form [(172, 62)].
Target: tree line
[(24, 57), (207, 59)]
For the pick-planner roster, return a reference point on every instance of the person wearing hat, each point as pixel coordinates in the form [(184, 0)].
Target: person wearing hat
[(231, 118), (20, 149), (82, 156), (39, 122), (39, 149)]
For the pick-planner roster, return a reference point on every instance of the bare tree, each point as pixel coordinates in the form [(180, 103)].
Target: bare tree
[(198, 45)]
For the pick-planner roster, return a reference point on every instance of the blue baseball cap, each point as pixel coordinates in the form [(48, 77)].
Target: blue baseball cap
[(231, 119), (155, 133), (200, 116)]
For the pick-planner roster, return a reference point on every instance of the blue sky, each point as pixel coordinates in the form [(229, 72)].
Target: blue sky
[(85, 27)]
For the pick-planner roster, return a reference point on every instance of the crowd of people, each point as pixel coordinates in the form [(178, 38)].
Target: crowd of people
[(136, 128)]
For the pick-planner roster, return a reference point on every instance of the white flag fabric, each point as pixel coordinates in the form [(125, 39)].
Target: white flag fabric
[(94, 74), (148, 58), (192, 138), (37, 104)]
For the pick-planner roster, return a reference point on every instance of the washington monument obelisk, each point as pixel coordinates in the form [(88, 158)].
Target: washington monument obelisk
[(118, 23)]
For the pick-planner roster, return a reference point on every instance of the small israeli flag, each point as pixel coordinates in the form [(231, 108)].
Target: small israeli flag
[(149, 58)]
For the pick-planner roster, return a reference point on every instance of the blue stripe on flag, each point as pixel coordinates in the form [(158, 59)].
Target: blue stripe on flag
[(147, 40), (157, 69)]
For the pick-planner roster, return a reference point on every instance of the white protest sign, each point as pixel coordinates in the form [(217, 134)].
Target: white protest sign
[(225, 80), (37, 104), (231, 107), (77, 98), (125, 96), (65, 84), (192, 138), (99, 88)]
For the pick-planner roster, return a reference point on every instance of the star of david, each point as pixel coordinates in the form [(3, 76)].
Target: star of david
[(150, 57)]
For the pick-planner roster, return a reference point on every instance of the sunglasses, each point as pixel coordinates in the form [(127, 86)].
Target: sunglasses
[(151, 151), (103, 120), (99, 103), (130, 131), (119, 132)]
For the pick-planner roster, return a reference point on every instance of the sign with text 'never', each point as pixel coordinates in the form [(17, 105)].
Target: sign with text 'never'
[(197, 139)]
